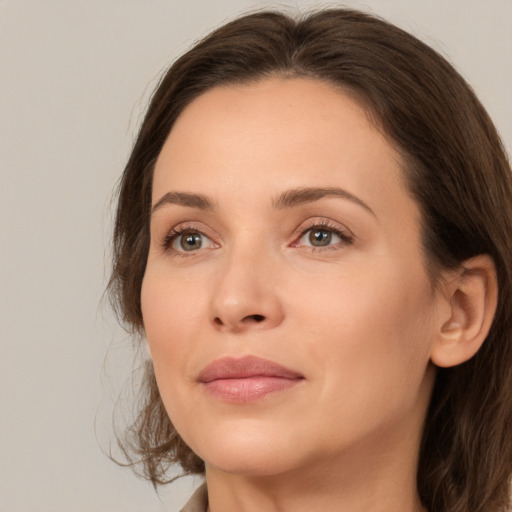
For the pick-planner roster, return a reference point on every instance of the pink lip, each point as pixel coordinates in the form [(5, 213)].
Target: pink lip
[(242, 380)]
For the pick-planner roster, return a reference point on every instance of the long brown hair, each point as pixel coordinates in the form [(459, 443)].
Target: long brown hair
[(457, 170)]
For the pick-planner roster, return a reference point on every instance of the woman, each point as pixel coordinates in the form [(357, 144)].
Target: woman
[(314, 234)]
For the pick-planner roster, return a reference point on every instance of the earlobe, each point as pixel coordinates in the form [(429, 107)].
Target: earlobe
[(473, 298)]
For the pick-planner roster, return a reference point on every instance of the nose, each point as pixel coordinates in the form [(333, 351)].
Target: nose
[(246, 294)]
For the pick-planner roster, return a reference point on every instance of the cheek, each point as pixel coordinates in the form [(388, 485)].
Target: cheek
[(372, 330), (171, 315), (170, 305)]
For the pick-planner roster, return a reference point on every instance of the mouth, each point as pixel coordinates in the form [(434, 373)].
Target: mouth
[(246, 379)]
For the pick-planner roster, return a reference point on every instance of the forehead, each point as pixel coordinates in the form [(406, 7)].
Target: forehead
[(292, 109), (280, 131)]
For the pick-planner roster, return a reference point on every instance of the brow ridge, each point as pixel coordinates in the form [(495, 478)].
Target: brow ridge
[(184, 199), (298, 196), (288, 199)]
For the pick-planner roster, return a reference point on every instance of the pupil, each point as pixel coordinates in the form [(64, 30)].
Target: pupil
[(320, 237), (191, 241)]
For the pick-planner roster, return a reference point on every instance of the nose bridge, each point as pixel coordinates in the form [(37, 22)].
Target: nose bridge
[(245, 295)]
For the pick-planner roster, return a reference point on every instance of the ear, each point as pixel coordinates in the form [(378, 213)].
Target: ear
[(473, 298)]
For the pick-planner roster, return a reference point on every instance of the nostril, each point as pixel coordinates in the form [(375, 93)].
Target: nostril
[(246, 320), (255, 318)]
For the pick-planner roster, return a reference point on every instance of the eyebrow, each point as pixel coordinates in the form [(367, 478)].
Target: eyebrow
[(299, 196), (288, 199), (184, 199)]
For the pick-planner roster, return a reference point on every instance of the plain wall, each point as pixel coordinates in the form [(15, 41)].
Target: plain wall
[(74, 81)]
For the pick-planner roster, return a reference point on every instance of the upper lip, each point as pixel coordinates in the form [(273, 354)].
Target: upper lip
[(247, 366)]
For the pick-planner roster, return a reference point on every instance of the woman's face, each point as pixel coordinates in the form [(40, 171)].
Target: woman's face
[(286, 304)]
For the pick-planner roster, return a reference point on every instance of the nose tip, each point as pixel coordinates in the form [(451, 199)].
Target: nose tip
[(243, 304)]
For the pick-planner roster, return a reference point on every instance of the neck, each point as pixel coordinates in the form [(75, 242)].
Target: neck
[(366, 480)]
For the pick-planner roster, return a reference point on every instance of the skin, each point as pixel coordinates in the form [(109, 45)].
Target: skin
[(357, 318)]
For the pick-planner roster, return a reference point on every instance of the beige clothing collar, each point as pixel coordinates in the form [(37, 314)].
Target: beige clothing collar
[(198, 501)]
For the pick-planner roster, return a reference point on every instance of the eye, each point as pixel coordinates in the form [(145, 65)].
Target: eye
[(187, 240), (320, 237), (324, 236)]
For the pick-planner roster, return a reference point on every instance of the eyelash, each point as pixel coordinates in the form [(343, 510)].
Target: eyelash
[(346, 237)]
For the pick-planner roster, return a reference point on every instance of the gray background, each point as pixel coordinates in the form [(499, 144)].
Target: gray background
[(74, 81)]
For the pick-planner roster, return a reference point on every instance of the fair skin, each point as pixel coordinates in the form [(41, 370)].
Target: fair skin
[(329, 283)]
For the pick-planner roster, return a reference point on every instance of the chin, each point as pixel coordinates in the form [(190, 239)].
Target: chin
[(249, 450), (256, 464)]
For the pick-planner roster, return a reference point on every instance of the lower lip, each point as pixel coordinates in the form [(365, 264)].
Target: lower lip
[(248, 389)]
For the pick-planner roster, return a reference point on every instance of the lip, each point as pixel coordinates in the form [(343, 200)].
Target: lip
[(246, 379)]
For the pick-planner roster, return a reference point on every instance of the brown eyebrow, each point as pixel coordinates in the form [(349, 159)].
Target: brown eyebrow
[(298, 196), (184, 199), (287, 199)]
